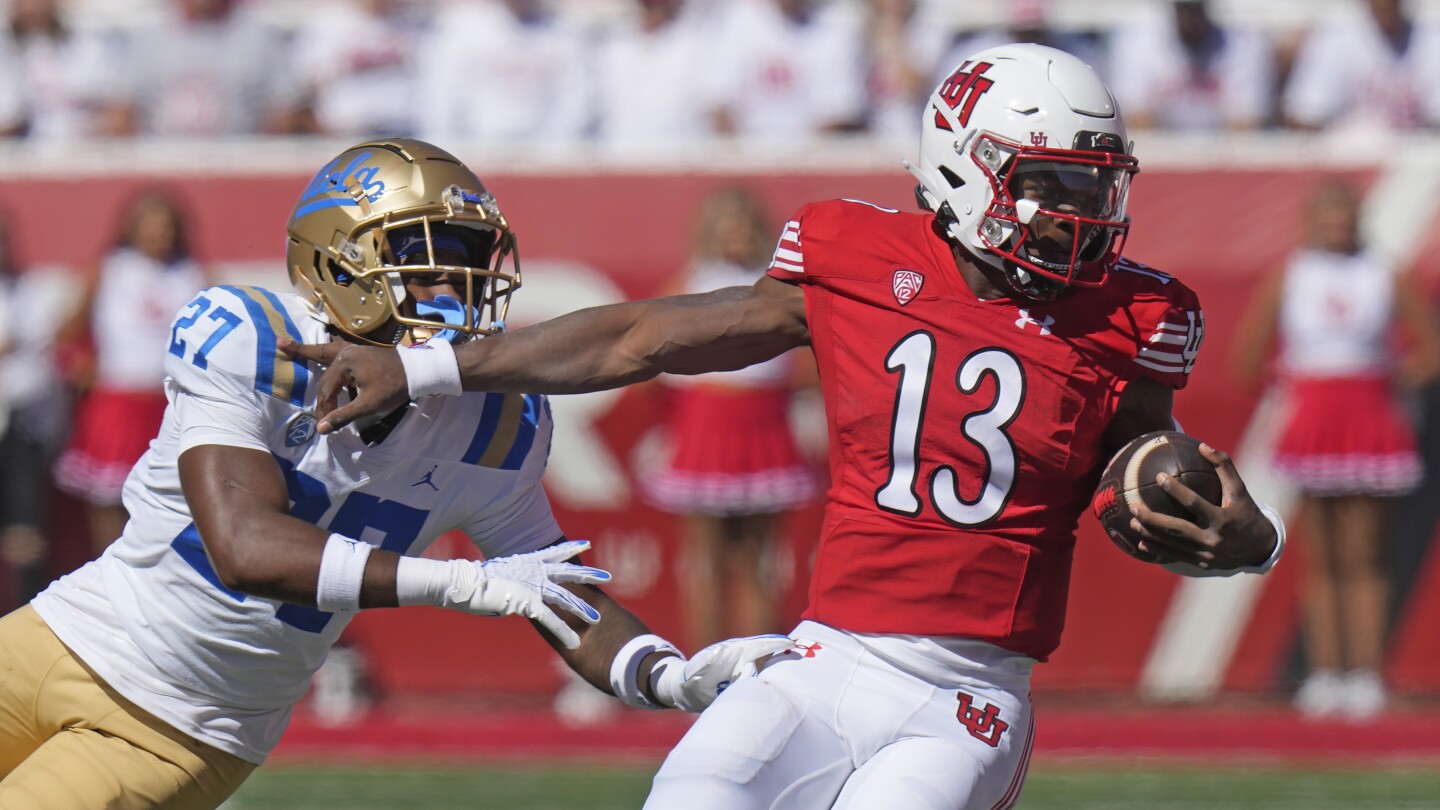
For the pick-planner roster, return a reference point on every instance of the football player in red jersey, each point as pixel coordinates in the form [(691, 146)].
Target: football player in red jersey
[(980, 363)]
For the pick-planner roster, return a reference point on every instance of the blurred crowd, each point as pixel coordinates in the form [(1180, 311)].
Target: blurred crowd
[(652, 73)]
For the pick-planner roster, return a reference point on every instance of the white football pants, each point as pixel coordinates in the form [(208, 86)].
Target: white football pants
[(833, 725)]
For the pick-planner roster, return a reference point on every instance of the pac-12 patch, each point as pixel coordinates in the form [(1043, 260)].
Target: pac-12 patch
[(300, 429), (906, 285)]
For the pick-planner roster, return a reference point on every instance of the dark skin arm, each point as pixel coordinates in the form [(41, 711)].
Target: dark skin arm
[(600, 642), (241, 508), (590, 350), (242, 511)]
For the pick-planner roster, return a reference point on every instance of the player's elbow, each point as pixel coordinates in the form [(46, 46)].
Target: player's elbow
[(237, 565), (230, 568)]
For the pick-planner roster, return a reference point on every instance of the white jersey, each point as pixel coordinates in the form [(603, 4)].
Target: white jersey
[(1336, 314), (781, 79), (1347, 77), (130, 318), (646, 85), (536, 86), (1151, 73), (152, 617)]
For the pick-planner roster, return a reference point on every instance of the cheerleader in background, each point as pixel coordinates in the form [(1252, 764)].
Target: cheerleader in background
[(733, 466), (1345, 445), (127, 307)]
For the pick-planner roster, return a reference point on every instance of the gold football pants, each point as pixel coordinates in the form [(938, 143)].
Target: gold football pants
[(70, 742)]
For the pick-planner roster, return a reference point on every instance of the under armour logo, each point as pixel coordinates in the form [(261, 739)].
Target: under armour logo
[(1044, 323), (985, 726), (426, 479), (810, 649)]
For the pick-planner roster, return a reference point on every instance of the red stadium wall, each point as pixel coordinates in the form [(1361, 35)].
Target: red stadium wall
[(605, 236)]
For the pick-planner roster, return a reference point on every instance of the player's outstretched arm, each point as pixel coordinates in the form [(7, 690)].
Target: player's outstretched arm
[(241, 509), (619, 655), (590, 350), (1236, 535)]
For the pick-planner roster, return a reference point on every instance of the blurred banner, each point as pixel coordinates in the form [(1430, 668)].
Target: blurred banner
[(592, 236)]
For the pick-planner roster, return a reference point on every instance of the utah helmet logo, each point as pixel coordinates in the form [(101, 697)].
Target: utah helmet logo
[(336, 187), (906, 285), (962, 90)]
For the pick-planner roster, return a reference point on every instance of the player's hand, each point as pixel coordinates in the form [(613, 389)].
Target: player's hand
[(1220, 538), (373, 373), (694, 684), (527, 585)]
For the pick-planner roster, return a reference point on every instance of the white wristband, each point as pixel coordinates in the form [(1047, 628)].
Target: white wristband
[(625, 669), (342, 570), (431, 368)]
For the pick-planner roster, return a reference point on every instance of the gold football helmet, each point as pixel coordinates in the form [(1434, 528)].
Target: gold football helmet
[(379, 213)]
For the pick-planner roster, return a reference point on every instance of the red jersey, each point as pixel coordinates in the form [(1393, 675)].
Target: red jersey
[(965, 435)]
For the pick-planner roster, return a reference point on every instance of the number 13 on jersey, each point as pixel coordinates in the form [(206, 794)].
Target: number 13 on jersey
[(913, 358)]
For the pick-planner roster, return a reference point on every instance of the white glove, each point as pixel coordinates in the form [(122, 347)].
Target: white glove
[(694, 684), (519, 585)]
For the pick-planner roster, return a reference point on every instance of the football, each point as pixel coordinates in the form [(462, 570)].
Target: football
[(1129, 479)]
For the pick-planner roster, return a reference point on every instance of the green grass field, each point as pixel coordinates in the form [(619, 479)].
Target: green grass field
[(1071, 787)]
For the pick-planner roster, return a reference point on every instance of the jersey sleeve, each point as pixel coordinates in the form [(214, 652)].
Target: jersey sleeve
[(788, 263), (520, 521), (1163, 324), (1168, 354), (523, 522), (819, 246), (243, 422), (228, 381), (1172, 332), (223, 346)]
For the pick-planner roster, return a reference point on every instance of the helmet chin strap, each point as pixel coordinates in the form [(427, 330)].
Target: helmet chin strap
[(933, 195)]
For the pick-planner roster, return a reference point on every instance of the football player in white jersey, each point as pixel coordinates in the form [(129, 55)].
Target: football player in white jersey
[(161, 674)]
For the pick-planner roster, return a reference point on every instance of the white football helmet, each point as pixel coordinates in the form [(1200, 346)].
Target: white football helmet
[(1024, 158)]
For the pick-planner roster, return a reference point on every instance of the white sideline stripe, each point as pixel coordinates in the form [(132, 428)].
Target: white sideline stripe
[(1207, 617), (1163, 337), (787, 266), (790, 255), (1402, 203)]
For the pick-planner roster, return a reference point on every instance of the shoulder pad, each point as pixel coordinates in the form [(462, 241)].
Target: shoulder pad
[(223, 344), (513, 434)]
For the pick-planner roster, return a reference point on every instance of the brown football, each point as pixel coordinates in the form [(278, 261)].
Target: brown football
[(1129, 479)]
